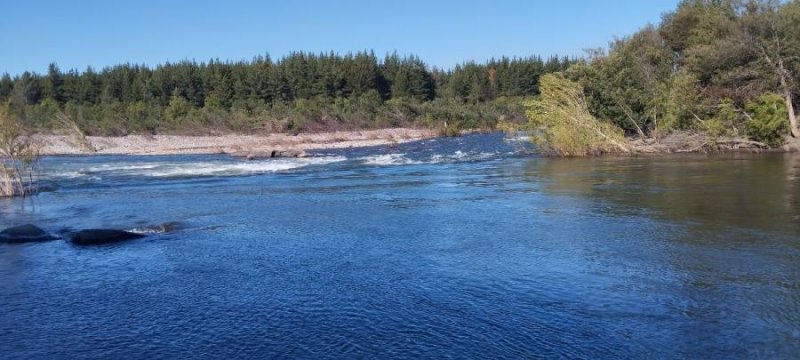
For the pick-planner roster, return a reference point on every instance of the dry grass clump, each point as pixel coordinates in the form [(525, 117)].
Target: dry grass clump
[(19, 154), (74, 133)]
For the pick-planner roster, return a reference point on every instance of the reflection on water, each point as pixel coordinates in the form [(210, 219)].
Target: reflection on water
[(457, 247), (738, 240), (746, 190)]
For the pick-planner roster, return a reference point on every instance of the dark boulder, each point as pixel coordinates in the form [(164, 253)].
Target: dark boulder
[(296, 153), (102, 236), (25, 233)]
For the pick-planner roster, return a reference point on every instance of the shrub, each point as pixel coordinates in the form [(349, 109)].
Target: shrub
[(19, 153), (724, 123), (140, 117), (178, 108), (767, 122), (41, 115)]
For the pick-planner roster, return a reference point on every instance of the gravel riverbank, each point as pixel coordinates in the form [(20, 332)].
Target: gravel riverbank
[(225, 144)]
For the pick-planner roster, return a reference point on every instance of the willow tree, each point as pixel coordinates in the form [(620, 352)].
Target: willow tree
[(561, 124)]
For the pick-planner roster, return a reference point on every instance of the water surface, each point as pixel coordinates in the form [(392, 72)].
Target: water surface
[(459, 248)]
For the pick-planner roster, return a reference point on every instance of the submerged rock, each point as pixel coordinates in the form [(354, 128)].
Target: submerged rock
[(25, 233), (102, 236), (289, 153)]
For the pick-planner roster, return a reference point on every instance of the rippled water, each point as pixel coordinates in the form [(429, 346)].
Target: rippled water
[(458, 248)]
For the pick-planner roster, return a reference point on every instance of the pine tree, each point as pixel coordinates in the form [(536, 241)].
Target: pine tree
[(6, 87), (51, 88)]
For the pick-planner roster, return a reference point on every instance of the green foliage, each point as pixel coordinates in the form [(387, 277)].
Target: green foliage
[(41, 115), (697, 68), (725, 122), (768, 120), (622, 85), (140, 117), (561, 124), (456, 115), (300, 92), (177, 108), (677, 103)]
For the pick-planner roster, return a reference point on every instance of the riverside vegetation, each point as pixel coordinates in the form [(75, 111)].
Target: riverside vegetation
[(301, 92), (714, 74)]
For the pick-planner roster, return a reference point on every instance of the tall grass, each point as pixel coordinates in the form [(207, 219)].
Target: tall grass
[(19, 155)]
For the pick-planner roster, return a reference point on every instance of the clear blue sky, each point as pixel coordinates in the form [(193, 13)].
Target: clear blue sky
[(74, 33)]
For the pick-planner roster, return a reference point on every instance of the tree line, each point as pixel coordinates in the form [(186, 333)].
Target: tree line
[(299, 92), (726, 68)]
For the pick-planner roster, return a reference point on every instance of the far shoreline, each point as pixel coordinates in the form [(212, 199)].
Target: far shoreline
[(231, 144), (296, 145)]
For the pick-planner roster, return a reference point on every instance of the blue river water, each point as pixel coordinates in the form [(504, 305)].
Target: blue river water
[(446, 248)]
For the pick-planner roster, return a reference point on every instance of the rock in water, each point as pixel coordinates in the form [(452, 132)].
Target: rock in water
[(25, 233), (102, 236), (292, 153), (277, 153)]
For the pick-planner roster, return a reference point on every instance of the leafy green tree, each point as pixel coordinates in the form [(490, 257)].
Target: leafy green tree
[(704, 59), (677, 102), (622, 85)]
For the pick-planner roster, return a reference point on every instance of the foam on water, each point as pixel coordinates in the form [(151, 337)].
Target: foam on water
[(462, 156), (118, 167), (388, 159), (234, 169), (404, 159), (518, 138), (167, 169), (163, 228), (83, 170)]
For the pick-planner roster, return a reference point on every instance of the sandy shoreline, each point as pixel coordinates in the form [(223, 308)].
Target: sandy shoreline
[(227, 144)]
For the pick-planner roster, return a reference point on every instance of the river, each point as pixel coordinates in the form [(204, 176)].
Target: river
[(458, 247)]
